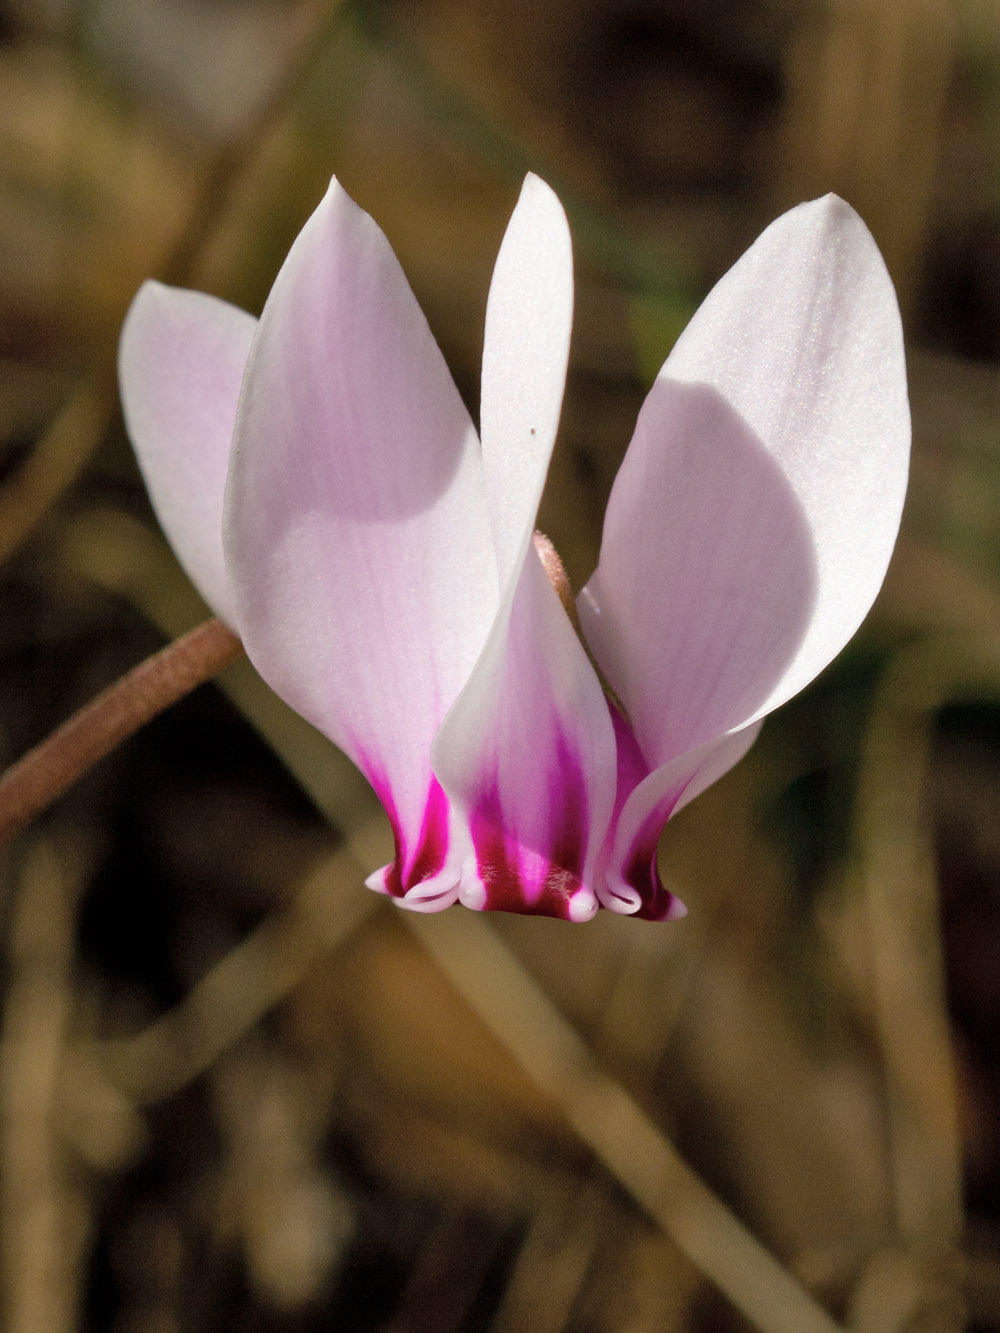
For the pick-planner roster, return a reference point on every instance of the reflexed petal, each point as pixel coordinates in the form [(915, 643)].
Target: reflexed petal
[(356, 532), (726, 754), (525, 350), (752, 521), (527, 755), (181, 361), (631, 882)]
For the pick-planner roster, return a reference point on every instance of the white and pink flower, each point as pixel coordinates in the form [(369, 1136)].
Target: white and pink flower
[(322, 483)]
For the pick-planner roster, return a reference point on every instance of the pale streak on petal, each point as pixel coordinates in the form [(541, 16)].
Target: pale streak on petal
[(181, 361), (356, 529)]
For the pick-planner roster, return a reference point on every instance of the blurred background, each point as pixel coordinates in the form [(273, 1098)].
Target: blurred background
[(238, 1090)]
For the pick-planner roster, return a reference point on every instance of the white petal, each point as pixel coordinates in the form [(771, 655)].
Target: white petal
[(752, 521), (357, 538), (527, 753), (529, 316), (706, 582), (181, 361)]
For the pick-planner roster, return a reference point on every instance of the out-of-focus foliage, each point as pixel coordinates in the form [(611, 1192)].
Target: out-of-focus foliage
[(237, 1090)]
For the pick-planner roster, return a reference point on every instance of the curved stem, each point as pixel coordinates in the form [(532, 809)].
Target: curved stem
[(44, 773)]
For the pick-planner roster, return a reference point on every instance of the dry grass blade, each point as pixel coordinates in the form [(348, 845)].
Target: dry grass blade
[(248, 982), (896, 865), (552, 1264), (495, 985), (870, 89), (42, 1209), (55, 463), (63, 451)]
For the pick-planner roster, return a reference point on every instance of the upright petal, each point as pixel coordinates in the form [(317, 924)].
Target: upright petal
[(707, 577), (527, 753), (752, 520), (529, 317), (181, 361), (356, 532)]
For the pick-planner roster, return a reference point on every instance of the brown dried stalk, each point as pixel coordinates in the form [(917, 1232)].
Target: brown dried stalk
[(44, 773)]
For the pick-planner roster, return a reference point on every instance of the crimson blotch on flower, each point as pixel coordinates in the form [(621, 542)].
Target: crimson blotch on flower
[(322, 483)]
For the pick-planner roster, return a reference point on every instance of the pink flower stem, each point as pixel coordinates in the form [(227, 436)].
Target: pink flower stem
[(44, 773)]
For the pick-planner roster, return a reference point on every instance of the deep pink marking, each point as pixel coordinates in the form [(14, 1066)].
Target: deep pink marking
[(431, 850), (640, 871), (642, 874), (632, 766), (498, 855)]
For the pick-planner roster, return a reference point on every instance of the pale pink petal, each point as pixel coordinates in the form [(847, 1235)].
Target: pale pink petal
[(706, 582), (181, 361), (529, 317), (357, 538), (527, 755), (752, 521)]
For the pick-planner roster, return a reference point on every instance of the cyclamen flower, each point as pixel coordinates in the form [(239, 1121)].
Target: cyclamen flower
[(325, 489)]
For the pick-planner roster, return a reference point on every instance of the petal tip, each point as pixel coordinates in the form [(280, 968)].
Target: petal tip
[(377, 881), (431, 895), (472, 894), (144, 306), (583, 906)]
